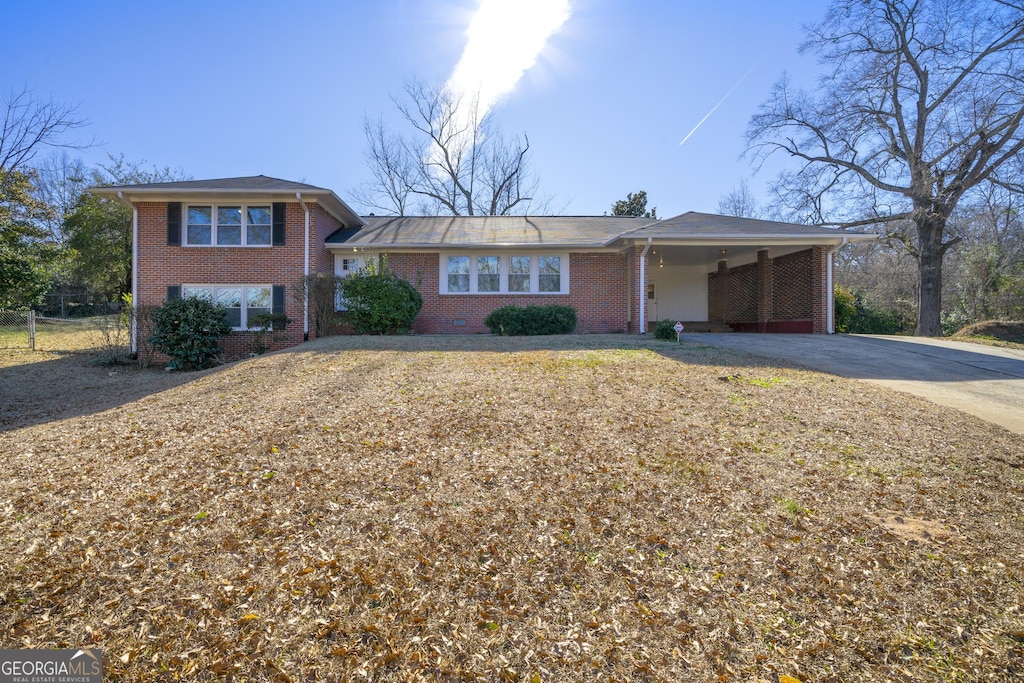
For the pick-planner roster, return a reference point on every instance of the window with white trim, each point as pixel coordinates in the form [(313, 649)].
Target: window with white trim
[(243, 302), (224, 225), (343, 267), (484, 273)]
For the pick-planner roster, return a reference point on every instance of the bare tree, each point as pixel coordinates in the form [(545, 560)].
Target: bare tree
[(922, 103), (740, 202), (30, 124), (454, 161)]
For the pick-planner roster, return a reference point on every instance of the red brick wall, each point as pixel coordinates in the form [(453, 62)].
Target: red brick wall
[(742, 304), (161, 266), (794, 279), (781, 294), (821, 298), (321, 260), (597, 290)]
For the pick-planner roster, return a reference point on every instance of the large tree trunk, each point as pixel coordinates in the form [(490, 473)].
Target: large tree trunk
[(929, 268)]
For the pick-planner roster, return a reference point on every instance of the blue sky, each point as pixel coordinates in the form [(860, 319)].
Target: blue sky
[(225, 89)]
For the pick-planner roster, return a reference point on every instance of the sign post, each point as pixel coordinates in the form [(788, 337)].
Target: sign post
[(679, 330)]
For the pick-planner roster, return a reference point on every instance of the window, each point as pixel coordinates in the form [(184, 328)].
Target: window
[(488, 274), (458, 273), (550, 278), (243, 302), (512, 274), (246, 226), (519, 273), (343, 267)]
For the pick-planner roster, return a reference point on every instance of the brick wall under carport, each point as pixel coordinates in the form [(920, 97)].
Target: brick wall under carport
[(776, 294)]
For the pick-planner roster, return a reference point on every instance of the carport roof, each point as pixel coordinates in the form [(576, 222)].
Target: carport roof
[(704, 226)]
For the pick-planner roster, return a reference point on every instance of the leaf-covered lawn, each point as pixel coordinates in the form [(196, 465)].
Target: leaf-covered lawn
[(556, 509)]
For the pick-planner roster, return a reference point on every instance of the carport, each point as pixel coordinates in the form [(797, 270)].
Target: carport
[(723, 273)]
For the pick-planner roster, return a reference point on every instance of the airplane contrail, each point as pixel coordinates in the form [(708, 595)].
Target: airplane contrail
[(731, 90)]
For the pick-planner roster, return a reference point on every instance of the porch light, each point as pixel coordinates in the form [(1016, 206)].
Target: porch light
[(722, 252)]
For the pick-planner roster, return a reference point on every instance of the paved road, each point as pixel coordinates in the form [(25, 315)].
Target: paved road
[(985, 381)]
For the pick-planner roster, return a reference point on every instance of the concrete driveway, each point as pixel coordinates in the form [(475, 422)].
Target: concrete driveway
[(985, 381)]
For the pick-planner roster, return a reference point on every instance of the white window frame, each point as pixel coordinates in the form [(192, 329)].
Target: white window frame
[(244, 315), (346, 264), (503, 268), (213, 224)]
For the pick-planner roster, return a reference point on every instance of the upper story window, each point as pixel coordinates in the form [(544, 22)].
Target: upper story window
[(229, 225), (510, 274)]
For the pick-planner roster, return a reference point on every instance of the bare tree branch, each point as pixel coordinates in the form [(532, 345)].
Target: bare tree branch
[(922, 105), (29, 124), (454, 162)]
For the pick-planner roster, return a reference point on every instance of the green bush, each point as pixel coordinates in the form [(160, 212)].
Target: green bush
[(870, 319), (665, 329), (845, 308), (532, 320), (380, 302), (189, 331)]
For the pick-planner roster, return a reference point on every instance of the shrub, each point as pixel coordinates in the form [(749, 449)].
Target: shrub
[(321, 290), (264, 325), (532, 320), (189, 331), (380, 302), (845, 309), (665, 329)]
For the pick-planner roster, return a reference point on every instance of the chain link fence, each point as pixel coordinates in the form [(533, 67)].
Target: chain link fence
[(105, 334), (16, 329)]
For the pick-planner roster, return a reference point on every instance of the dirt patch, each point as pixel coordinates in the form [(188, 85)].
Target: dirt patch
[(911, 529), (561, 509)]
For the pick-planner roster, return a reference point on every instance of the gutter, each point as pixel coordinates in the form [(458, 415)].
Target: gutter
[(642, 294), (305, 271), (830, 314), (133, 331)]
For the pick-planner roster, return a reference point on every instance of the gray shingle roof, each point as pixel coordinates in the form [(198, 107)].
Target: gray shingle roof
[(257, 183), (246, 186), (697, 225), (467, 231), (570, 231)]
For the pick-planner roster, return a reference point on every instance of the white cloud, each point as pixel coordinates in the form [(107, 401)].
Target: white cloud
[(505, 38)]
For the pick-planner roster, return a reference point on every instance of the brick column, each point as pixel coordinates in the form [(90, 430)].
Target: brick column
[(764, 290), (722, 291), (820, 298)]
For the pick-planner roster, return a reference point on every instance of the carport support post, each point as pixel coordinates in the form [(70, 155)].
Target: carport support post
[(764, 290), (821, 298)]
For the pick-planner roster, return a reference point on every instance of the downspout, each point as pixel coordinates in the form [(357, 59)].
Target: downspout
[(830, 314), (305, 271), (133, 330), (642, 286)]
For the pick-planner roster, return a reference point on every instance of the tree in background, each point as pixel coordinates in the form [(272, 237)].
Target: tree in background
[(27, 258), (31, 124), (453, 162), (99, 231), (634, 205), (740, 202), (28, 252), (921, 107)]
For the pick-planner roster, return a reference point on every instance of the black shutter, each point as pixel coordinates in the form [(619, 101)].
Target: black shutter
[(174, 223), (174, 292), (278, 240), (277, 303)]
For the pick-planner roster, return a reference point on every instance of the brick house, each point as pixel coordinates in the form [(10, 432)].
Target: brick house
[(247, 242)]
